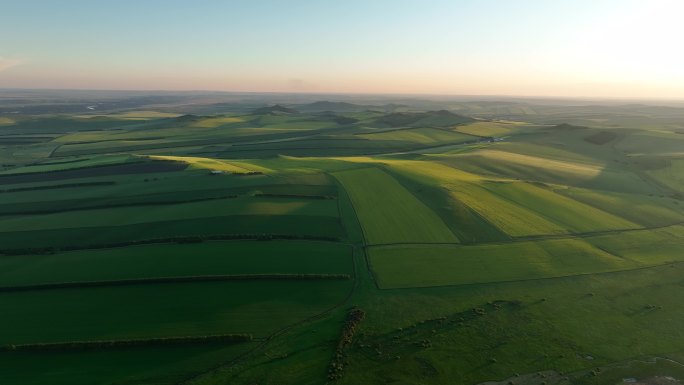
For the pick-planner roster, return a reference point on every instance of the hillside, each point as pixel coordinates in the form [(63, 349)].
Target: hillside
[(440, 118)]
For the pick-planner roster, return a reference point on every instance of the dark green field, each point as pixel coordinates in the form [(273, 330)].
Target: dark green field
[(365, 241)]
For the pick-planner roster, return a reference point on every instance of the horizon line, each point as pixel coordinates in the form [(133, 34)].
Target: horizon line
[(384, 94)]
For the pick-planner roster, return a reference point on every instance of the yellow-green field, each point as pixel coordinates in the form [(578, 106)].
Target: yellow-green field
[(493, 129), (216, 122), (212, 164), (568, 213), (419, 135)]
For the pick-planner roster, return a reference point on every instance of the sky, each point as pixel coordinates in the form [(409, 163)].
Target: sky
[(570, 48)]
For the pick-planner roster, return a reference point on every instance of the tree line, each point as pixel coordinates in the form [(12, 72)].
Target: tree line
[(163, 280), (349, 329), (108, 344)]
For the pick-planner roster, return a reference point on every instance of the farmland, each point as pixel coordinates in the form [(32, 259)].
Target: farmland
[(363, 241)]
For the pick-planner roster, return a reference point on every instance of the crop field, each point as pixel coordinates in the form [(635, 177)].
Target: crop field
[(173, 260), (571, 214), (436, 265), (250, 206), (209, 241), (256, 307), (388, 212), (646, 210), (509, 217)]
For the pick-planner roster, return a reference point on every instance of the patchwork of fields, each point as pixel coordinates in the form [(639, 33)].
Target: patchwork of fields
[(159, 247)]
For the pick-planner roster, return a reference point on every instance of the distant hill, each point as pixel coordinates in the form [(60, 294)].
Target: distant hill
[(331, 106), (274, 110), (324, 105), (442, 118), (342, 120)]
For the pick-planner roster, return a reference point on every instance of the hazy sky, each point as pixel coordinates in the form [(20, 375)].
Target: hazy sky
[(611, 48)]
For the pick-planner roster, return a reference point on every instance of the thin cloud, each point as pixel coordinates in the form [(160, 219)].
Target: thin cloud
[(9, 62)]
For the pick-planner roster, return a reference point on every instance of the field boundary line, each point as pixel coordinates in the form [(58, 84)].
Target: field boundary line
[(173, 280), (530, 238), (671, 264)]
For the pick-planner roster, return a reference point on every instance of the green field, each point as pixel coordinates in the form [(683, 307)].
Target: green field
[(388, 212), (419, 135), (572, 215), (436, 265), (257, 307), (173, 260), (490, 242)]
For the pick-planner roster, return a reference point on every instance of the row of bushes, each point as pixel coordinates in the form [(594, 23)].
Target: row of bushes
[(56, 186), (247, 173), (108, 344), (268, 195), (162, 280), (351, 325), (177, 239)]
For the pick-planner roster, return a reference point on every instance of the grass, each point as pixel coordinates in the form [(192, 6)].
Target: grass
[(672, 176), (595, 174), (568, 213), (174, 260), (420, 135), (133, 115), (294, 225), (77, 163), (212, 164), (645, 247), (509, 217), (435, 265), (466, 224), (646, 210), (492, 129), (216, 121), (121, 216), (388, 212), (547, 325), (251, 307), (144, 366), (481, 307)]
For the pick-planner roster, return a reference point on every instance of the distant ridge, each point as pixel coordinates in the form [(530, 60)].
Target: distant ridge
[(441, 118), (328, 106), (275, 110), (566, 127), (325, 105)]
